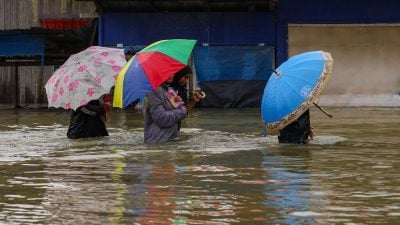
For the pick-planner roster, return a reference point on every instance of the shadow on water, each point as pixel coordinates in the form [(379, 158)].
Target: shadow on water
[(221, 170)]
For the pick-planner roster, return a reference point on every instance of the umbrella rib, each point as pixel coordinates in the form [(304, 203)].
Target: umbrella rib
[(294, 64), (285, 99), (305, 80), (292, 88)]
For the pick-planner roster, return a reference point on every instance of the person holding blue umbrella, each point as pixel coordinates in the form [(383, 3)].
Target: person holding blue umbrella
[(298, 132), (291, 90)]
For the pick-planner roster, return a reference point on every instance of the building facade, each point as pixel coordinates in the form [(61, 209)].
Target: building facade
[(362, 37), (37, 36), (238, 43)]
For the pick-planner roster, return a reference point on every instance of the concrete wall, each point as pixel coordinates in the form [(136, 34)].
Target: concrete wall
[(330, 12), (366, 70)]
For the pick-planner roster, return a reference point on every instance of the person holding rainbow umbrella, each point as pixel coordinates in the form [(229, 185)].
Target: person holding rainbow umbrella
[(149, 73)]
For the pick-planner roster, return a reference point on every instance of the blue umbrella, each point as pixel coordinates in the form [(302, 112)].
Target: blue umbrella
[(293, 87)]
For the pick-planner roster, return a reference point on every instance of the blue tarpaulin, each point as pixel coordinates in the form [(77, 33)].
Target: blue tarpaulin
[(233, 62), (233, 76)]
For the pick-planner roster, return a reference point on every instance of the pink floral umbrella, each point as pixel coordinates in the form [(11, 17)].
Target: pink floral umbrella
[(85, 76)]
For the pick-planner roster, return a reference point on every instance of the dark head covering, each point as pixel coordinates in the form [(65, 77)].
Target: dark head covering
[(181, 73), (129, 54), (182, 92), (131, 51)]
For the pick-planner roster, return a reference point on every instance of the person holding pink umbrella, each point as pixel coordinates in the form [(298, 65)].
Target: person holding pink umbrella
[(89, 120), (81, 84)]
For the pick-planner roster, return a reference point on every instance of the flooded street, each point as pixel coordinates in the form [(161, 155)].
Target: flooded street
[(220, 171)]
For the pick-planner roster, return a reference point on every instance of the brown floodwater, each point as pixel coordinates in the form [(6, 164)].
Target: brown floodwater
[(220, 171)]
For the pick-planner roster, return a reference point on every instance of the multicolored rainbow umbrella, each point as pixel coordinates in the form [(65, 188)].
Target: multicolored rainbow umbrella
[(149, 68)]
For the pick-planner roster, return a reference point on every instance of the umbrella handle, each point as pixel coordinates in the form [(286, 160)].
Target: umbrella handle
[(323, 110), (278, 74)]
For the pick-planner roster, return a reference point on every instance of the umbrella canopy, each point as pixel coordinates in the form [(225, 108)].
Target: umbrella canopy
[(149, 68), (85, 76), (293, 87)]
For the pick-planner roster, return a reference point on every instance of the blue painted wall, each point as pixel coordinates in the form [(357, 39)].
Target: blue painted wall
[(211, 28), (22, 45), (249, 28), (339, 11)]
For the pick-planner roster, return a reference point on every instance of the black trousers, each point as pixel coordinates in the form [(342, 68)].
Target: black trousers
[(296, 132)]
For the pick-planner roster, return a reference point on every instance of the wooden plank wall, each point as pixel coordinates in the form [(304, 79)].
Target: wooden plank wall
[(24, 14), (31, 92), (7, 85)]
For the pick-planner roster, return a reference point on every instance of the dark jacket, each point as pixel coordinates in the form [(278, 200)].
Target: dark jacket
[(87, 121), (160, 118), (297, 132)]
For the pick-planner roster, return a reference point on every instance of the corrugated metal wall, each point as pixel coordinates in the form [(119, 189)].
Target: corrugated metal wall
[(63, 8), (24, 85), (24, 14), (30, 83), (11, 16)]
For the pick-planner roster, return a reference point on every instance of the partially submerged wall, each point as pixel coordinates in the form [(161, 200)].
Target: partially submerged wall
[(366, 69)]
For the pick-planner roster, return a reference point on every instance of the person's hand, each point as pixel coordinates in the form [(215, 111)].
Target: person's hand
[(175, 101), (311, 133), (107, 110), (198, 95), (107, 107)]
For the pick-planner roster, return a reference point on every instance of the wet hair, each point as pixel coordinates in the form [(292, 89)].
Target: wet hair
[(181, 73), (130, 52)]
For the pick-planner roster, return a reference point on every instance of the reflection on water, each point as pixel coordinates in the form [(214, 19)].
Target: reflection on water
[(220, 171)]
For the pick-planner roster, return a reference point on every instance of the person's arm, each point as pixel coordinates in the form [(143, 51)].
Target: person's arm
[(92, 109), (197, 96), (311, 134)]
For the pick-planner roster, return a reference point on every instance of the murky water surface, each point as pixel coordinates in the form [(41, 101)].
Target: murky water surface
[(220, 171)]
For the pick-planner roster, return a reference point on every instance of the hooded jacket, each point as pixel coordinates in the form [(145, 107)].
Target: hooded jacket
[(160, 118)]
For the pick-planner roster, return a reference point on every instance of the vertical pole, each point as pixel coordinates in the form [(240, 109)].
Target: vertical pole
[(100, 29), (40, 81), (281, 42), (91, 41), (265, 129), (16, 86)]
